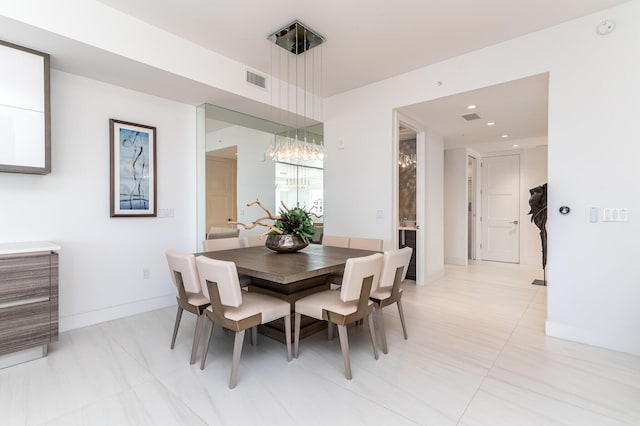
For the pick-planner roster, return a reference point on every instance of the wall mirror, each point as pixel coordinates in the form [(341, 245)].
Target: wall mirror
[(234, 169), (25, 144)]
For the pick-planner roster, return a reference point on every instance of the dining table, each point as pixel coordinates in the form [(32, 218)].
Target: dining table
[(289, 276)]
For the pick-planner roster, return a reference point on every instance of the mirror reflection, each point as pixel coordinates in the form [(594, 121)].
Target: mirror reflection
[(234, 169)]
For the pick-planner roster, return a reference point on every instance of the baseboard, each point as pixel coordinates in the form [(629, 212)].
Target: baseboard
[(461, 261), (599, 338), (434, 276), (71, 322)]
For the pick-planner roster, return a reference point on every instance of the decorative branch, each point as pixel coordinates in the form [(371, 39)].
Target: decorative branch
[(260, 220)]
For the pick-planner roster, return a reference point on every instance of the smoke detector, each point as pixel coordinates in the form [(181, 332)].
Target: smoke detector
[(605, 27)]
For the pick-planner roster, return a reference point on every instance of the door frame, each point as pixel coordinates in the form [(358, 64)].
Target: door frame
[(420, 190), (472, 236)]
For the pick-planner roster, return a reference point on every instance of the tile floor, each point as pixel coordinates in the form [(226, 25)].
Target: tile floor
[(476, 355)]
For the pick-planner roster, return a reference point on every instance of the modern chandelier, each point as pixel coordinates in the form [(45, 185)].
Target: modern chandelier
[(300, 71)]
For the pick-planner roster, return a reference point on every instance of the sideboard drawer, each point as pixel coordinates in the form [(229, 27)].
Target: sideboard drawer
[(25, 326), (25, 278)]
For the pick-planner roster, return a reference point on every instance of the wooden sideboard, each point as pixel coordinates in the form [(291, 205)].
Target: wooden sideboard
[(28, 296)]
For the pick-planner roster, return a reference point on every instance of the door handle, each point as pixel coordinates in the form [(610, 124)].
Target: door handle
[(515, 222)]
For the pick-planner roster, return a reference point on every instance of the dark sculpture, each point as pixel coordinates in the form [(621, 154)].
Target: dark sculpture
[(538, 204)]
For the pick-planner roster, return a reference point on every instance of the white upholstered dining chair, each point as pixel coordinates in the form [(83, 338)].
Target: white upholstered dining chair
[(394, 270), (226, 244), (373, 244), (237, 310), (221, 244), (335, 241), (335, 279), (345, 306), (254, 241), (190, 297)]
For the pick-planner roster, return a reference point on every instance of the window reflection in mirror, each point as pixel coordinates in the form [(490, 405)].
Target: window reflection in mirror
[(233, 169), (300, 185)]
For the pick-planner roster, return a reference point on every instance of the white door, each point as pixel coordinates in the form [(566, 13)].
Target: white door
[(500, 208)]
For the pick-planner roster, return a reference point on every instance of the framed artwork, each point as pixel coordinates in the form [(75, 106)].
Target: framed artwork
[(25, 117), (133, 169)]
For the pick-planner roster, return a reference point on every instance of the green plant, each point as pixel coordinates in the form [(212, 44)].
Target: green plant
[(295, 221)]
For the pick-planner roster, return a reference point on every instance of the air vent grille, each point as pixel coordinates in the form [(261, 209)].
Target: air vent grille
[(256, 79), (472, 116)]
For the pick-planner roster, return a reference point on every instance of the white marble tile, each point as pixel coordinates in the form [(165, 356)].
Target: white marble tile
[(502, 404), (83, 367), (149, 403), (571, 376), (147, 338)]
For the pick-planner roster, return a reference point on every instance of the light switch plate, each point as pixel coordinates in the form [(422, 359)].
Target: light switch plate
[(617, 214), (593, 215)]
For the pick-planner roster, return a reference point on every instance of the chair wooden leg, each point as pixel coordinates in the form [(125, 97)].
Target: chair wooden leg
[(372, 333), (380, 327), (237, 351), (344, 345), (254, 335), (175, 327), (196, 339), (296, 335), (404, 325), (287, 333), (205, 350)]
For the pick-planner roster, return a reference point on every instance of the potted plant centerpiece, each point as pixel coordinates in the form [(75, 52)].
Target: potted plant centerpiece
[(291, 230)]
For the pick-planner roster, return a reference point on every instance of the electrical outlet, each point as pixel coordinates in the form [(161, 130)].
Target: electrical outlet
[(146, 274)]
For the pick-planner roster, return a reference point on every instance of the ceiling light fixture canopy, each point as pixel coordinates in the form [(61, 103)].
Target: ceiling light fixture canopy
[(298, 144)]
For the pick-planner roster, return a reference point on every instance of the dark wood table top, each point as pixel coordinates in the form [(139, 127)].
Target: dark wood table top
[(286, 268)]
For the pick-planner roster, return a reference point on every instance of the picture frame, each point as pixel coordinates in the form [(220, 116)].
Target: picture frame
[(133, 169)]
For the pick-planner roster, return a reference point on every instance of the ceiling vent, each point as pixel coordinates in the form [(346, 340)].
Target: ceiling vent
[(256, 79), (471, 117)]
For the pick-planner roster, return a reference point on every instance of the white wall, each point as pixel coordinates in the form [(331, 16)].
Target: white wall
[(255, 174), (358, 172), (434, 208), (456, 227), (593, 148), (102, 258)]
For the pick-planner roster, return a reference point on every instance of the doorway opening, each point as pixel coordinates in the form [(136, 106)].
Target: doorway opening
[(407, 193), (488, 124)]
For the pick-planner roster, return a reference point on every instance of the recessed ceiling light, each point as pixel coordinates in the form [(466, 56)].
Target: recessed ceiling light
[(515, 145), (504, 136), (472, 106), (491, 123)]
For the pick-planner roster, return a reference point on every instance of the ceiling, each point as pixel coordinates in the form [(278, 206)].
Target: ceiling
[(365, 41), (365, 44), (518, 109)]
